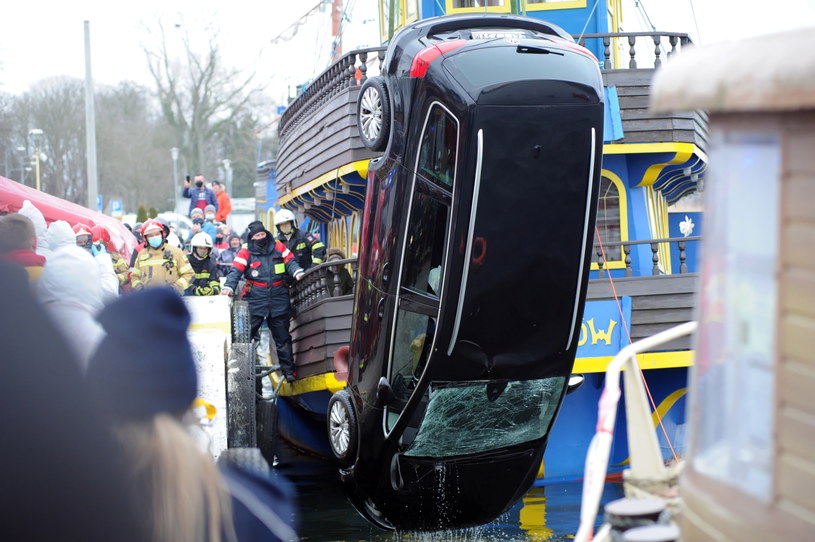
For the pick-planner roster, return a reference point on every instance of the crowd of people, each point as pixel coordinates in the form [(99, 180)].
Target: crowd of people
[(115, 324)]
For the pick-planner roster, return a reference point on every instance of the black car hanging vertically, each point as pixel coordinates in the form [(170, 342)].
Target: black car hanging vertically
[(473, 266)]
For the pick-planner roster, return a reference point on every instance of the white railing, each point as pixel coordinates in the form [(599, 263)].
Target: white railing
[(646, 458)]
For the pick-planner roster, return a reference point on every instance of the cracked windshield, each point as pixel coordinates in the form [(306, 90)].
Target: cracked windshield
[(463, 420)]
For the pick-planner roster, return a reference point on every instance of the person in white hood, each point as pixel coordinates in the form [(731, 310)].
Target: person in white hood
[(75, 288), (35, 215), (69, 288), (61, 235)]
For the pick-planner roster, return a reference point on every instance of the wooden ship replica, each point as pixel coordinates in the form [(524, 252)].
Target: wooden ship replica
[(644, 273)]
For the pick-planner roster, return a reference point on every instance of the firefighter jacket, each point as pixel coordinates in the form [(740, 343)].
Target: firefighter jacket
[(120, 267), (265, 270), (306, 248), (206, 280), (163, 266)]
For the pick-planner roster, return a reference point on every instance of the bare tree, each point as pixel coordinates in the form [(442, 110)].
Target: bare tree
[(133, 143), (56, 106), (203, 102)]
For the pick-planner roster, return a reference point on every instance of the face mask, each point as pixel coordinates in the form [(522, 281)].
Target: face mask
[(201, 252), (261, 243), (84, 242), (219, 239), (285, 228), (210, 217), (199, 184), (155, 241)]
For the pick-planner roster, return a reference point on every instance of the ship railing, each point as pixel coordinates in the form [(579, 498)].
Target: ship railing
[(656, 46), (350, 70), (620, 251), (313, 287)]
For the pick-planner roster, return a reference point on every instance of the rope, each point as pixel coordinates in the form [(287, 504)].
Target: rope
[(628, 335)]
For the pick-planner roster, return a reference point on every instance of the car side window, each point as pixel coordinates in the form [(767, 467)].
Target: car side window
[(424, 249), (437, 154)]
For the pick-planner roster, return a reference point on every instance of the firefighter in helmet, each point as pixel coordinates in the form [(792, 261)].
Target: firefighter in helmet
[(206, 280), (84, 236), (160, 263), (307, 249)]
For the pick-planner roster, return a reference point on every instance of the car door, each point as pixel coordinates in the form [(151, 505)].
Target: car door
[(425, 244)]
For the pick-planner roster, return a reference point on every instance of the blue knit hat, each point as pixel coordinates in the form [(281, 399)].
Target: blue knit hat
[(144, 365)]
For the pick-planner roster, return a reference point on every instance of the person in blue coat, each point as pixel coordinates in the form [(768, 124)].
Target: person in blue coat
[(200, 196), (201, 225)]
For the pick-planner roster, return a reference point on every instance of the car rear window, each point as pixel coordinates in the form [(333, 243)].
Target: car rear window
[(487, 66)]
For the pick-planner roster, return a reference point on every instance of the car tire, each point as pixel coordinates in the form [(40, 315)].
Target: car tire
[(374, 114), (241, 322), (241, 396), (342, 427)]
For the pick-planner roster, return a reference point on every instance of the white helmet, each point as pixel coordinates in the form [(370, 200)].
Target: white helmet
[(201, 239), (284, 215)]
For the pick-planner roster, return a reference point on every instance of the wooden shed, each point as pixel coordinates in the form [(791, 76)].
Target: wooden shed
[(750, 473)]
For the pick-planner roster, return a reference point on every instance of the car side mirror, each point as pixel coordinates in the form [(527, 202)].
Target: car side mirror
[(384, 393)]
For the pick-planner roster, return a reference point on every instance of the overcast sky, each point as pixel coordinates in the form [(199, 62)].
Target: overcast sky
[(44, 38)]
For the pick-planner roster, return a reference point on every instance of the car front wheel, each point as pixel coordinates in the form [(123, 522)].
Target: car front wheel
[(342, 427)]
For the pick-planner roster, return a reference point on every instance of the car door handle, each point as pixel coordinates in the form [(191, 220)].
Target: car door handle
[(380, 311)]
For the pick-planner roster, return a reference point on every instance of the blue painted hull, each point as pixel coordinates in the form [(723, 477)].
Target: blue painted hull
[(576, 424)]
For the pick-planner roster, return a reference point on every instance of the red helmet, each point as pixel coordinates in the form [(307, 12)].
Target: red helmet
[(82, 229), (152, 226), (100, 233)]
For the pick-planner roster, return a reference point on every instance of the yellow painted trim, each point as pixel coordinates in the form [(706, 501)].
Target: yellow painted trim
[(657, 208), (505, 8), (321, 382), (666, 405), (682, 153), (216, 326), (360, 167), (546, 6), (616, 264), (648, 360), (641, 148)]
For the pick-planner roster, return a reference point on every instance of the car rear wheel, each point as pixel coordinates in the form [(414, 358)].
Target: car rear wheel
[(342, 427), (374, 114)]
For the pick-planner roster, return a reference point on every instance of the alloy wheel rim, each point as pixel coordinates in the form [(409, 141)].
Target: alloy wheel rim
[(370, 114), (339, 428)]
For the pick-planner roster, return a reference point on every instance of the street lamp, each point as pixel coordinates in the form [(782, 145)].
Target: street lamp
[(174, 154), (36, 137)]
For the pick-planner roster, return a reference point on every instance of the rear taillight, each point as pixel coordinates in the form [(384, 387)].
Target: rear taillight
[(430, 53)]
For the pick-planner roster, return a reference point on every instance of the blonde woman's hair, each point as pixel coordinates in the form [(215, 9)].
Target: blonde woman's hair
[(177, 482)]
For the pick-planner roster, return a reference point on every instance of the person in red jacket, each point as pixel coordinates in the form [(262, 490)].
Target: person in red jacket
[(224, 203), (18, 241)]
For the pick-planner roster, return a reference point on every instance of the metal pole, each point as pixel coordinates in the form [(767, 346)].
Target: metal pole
[(174, 155), (90, 123), (37, 165)]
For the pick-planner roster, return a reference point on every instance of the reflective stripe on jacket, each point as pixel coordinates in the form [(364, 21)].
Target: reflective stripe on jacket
[(265, 273), (205, 281), (306, 248), (163, 266)]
